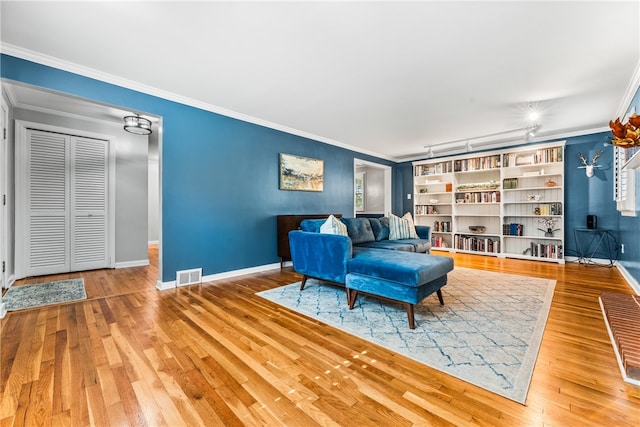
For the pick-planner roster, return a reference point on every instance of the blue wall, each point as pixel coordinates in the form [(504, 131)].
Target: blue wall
[(220, 190)]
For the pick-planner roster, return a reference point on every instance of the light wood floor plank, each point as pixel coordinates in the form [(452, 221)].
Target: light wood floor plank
[(217, 354)]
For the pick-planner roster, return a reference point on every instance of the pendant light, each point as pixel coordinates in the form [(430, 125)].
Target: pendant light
[(137, 125)]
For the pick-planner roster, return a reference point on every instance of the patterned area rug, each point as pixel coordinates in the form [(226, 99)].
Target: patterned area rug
[(488, 332), (39, 294)]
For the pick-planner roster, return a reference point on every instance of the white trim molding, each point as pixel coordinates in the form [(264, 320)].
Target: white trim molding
[(71, 67), (163, 286), (633, 283), (128, 264)]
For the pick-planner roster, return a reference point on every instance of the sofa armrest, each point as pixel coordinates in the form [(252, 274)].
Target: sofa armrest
[(319, 255), (424, 232)]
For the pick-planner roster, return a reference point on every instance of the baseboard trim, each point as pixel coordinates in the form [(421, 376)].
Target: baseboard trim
[(163, 286), (633, 283), (127, 264), (3, 310), (153, 242)]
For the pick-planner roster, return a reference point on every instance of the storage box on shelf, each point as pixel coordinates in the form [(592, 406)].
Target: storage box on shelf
[(509, 197), (433, 201), (533, 201)]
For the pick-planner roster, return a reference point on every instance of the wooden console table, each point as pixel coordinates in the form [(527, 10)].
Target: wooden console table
[(286, 223)]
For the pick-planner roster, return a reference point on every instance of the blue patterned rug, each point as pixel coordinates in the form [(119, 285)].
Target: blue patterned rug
[(39, 294), (488, 332)]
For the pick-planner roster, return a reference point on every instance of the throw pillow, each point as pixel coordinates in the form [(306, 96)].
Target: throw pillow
[(402, 228), (333, 226)]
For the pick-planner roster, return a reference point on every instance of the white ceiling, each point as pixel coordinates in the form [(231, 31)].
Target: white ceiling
[(385, 78)]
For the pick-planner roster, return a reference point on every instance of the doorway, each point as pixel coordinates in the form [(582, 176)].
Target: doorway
[(371, 188)]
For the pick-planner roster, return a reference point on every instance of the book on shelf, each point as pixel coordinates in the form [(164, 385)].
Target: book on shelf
[(476, 244), (477, 163), (433, 169), (512, 229), (442, 226), (546, 155), (542, 250)]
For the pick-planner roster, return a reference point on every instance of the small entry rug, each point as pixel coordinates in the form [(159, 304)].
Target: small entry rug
[(39, 294), (488, 333)]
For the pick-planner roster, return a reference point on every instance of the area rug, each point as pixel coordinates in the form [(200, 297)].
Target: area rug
[(39, 294), (488, 332)]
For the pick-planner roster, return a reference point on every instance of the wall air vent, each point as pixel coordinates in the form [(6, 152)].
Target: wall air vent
[(188, 277)]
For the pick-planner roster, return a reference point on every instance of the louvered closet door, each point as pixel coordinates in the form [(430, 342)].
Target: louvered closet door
[(47, 203), (88, 204), (66, 203)]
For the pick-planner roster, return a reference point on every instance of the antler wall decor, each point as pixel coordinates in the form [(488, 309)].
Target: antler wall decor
[(590, 167)]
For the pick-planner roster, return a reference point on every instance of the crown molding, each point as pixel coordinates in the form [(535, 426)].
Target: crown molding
[(71, 67), (629, 94)]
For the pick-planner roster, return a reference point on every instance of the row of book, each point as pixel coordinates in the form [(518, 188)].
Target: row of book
[(547, 155), (478, 244), (542, 250), (439, 242), (426, 210), (480, 197), (442, 226), (551, 208), (510, 183), (477, 163), (438, 168), (512, 229)]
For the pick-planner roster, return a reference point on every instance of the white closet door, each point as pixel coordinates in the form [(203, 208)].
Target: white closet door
[(89, 204), (67, 182), (47, 203)]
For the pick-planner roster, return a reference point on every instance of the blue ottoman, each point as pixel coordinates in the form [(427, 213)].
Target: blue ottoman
[(405, 277)]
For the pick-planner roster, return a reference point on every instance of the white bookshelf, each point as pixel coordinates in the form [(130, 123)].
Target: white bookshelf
[(510, 193)]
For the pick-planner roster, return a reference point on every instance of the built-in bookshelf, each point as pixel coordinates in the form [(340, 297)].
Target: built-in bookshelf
[(507, 203), (433, 201)]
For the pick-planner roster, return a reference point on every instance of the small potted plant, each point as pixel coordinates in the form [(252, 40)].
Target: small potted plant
[(549, 224)]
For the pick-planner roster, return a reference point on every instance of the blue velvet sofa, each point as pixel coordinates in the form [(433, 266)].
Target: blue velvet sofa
[(398, 270)]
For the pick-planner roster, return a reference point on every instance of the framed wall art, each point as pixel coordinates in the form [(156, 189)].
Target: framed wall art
[(301, 173)]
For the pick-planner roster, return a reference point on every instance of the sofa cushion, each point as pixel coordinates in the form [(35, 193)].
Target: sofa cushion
[(359, 230), (394, 245), (409, 268), (333, 226), (402, 228), (380, 227), (312, 225)]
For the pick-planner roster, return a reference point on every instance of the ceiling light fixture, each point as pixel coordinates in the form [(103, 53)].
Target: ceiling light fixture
[(137, 125)]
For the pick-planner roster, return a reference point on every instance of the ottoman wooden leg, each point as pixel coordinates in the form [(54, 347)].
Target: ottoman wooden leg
[(439, 293), (351, 297), (412, 323), (304, 282)]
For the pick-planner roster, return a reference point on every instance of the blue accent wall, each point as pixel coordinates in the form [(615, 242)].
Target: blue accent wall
[(220, 175)]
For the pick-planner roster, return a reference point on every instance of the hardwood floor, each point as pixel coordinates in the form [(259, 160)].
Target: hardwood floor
[(216, 354)]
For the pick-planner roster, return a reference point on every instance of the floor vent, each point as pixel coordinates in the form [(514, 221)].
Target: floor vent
[(189, 277)]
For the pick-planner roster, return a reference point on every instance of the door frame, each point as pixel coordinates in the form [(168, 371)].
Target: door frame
[(21, 127), (4, 167), (387, 182)]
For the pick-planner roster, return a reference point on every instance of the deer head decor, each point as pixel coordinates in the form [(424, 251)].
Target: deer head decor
[(589, 167)]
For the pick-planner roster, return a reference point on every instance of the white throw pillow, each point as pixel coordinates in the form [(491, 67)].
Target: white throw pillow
[(402, 228), (333, 226)]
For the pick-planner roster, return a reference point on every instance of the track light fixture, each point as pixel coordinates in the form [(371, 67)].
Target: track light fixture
[(137, 125)]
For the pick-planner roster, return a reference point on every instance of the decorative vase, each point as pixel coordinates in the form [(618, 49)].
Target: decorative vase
[(548, 233)]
